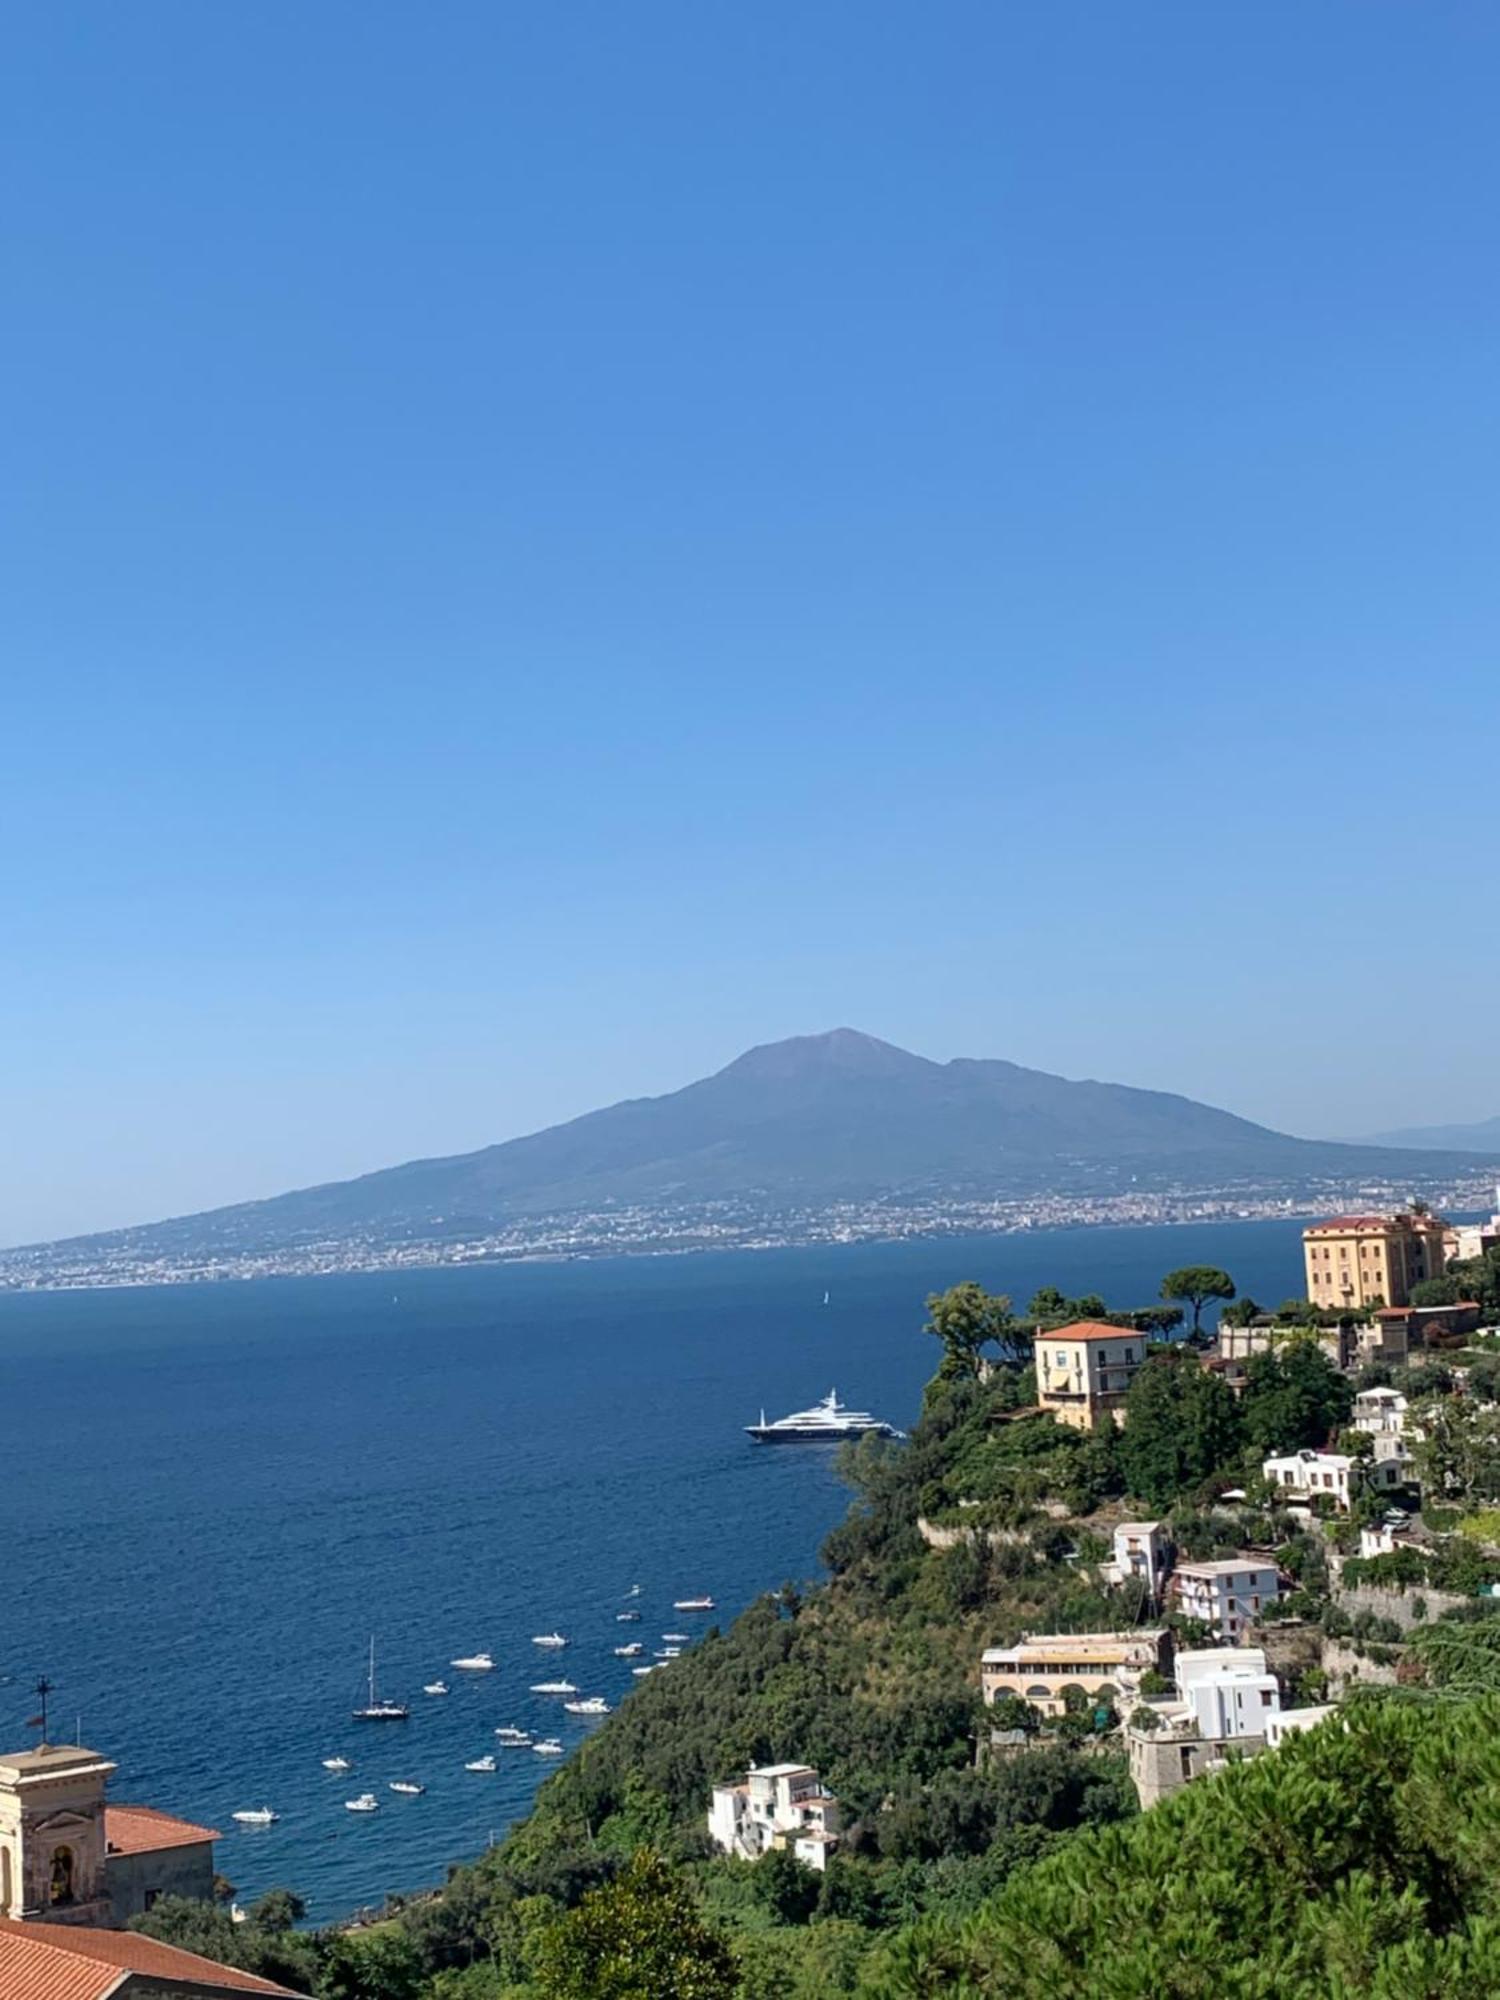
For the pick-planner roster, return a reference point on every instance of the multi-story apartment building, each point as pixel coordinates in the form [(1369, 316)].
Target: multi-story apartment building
[(776, 1805), (1043, 1668), (1371, 1260), (1329, 1475), (1227, 1595), (1143, 1554), (1084, 1370)]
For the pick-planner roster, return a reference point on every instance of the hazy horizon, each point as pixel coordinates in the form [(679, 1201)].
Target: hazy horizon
[(544, 551)]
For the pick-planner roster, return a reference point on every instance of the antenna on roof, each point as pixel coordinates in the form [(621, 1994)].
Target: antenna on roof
[(43, 1689)]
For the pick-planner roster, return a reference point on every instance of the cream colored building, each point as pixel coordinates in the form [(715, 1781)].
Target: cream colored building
[(68, 1857), (1083, 1371), (1041, 1669), (1371, 1260)]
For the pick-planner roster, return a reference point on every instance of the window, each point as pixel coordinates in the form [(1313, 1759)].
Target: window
[(152, 1897), (60, 1887)]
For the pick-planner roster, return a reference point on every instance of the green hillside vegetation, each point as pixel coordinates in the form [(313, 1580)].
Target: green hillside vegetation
[(1340, 1866)]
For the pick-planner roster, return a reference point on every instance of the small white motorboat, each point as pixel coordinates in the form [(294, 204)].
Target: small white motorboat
[(628, 1652), (640, 1672), (548, 1746), (548, 1639), (257, 1816), (436, 1687), (484, 1763), (513, 1738), (694, 1604), (676, 1639), (627, 1617), (592, 1705), (335, 1763), (553, 1687), (406, 1790), (474, 1663), (668, 1653), (366, 1802), (634, 1590)]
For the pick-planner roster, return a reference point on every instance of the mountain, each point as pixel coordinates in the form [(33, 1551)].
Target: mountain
[(797, 1124), (1481, 1138)]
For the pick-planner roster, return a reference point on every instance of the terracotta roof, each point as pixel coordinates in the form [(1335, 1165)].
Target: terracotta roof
[(1089, 1329), (1372, 1222), (144, 1830), (69, 1962)]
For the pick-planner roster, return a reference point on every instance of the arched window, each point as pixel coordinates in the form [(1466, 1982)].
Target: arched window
[(1039, 1691), (61, 1890)]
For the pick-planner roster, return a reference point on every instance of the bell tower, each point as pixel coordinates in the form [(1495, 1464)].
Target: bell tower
[(52, 1845)]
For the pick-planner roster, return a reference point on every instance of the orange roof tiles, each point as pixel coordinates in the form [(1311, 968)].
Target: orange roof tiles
[(1089, 1329), (69, 1962), (144, 1830)]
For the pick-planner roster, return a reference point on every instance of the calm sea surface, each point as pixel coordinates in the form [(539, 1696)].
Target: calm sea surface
[(214, 1495)]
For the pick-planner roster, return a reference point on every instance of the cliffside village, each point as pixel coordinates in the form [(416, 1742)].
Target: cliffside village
[(1189, 1709)]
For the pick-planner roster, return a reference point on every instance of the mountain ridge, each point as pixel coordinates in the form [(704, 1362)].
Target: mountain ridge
[(806, 1122)]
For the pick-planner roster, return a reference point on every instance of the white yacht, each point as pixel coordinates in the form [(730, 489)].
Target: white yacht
[(406, 1790), (366, 1802), (474, 1663), (628, 1652), (484, 1763), (548, 1746), (513, 1738), (675, 1639), (549, 1639), (827, 1422), (591, 1705), (553, 1687), (436, 1687), (257, 1816), (627, 1617), (694, 1604), (641, 1672), (335, 1763)]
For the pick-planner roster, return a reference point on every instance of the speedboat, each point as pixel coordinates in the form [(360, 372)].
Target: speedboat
[(406, 1790), (366, 1802), (628, 1652), (634, 1590), (591, 1705), (675, 1639), (549, 1639), (513, 1738), (257, 1816), (474, 1663), (548, 1746), (553, 1687), (640, 1672), (827, 1422), (668, 1653), (335, 1763), (694, 1604), (484, 1763), (436, 1687), (627, 1617)]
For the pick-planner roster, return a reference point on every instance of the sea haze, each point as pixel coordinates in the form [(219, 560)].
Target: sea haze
[(222, 1490)]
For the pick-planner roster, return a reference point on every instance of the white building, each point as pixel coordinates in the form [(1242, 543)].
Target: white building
[(1380, 1412), (776, 1805), (1328, 1475), (1227, 1690), (1142, 1554), (1285, 1722), (1226, 1595)]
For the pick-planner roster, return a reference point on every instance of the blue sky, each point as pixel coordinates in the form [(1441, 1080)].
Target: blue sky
[(544, 546)]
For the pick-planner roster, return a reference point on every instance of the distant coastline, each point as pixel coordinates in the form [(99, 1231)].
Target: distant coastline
[(125, 1259)]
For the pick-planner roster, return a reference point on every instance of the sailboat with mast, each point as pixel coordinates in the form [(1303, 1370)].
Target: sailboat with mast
[(376, 1710)]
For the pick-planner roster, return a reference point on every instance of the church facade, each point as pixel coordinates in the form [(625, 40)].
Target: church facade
[(69, 1857)]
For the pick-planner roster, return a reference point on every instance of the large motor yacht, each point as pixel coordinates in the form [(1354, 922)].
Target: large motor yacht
[(827, 1422)]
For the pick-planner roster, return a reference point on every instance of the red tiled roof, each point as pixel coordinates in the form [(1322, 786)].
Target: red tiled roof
[(1089, 1329), (69, 1962), (1352, 1222), (144, 1830)]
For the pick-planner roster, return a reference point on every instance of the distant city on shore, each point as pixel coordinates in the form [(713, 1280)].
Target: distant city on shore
[(836, 1138)]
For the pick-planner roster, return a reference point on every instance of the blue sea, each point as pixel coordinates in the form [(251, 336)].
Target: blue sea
[(215, 1495)]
